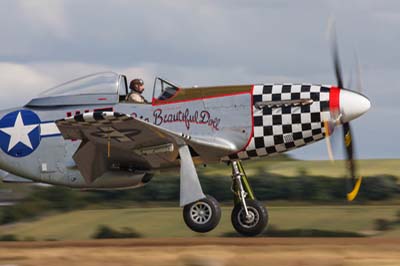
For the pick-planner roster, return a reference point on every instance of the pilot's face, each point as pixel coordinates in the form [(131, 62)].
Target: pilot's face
[(140, 88)]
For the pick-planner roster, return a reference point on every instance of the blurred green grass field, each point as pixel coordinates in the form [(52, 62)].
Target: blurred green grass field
[(312, 168), (168, 222), (156, 221)]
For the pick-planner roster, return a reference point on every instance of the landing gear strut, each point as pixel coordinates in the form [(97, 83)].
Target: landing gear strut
[(249, 217)]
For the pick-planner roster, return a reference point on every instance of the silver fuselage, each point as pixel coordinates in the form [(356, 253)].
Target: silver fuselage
[(254, 132)]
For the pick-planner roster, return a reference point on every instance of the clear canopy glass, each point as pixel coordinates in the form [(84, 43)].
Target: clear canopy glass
[(98, 83)]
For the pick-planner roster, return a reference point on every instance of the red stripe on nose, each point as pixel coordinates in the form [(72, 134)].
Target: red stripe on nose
[(334, 96)]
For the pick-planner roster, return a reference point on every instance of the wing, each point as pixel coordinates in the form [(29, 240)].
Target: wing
[(111, 139)]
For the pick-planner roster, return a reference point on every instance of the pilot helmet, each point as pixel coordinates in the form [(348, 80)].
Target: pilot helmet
[(134, 82)]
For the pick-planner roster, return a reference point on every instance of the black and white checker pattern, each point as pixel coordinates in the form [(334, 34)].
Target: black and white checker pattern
[(279, 129)]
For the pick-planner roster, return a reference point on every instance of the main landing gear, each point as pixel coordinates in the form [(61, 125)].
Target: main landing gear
[(249, 217), (203, 215)]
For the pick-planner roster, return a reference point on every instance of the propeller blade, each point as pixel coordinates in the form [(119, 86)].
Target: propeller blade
[(328, 140), (353, 194), (355, 183), (336, 59), (349, 147)]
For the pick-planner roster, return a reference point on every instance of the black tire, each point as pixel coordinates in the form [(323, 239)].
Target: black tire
[(258, 222), (206, 221)]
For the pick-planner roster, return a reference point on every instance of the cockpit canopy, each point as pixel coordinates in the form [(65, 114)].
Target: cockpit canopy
[(100, 83), (99, 88)]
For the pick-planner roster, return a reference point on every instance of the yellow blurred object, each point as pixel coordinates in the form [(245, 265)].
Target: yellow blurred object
[(347, 139), (352, 195)]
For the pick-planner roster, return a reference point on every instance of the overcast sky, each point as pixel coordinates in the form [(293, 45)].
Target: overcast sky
[(46, 42)]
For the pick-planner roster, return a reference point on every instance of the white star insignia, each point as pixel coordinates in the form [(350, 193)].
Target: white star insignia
[(19, 133)]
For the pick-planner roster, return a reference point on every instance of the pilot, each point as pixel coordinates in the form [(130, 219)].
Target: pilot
[(137, 88)]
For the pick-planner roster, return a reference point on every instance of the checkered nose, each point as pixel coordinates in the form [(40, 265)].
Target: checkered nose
[(352, 105)]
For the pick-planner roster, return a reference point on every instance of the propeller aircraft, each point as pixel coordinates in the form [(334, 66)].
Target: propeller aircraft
[(83, 134)]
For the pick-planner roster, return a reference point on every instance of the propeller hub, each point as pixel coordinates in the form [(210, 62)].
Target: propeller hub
[(352, 105), (347, 105)]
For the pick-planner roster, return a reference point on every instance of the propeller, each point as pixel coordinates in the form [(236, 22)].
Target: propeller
[(353, 183)]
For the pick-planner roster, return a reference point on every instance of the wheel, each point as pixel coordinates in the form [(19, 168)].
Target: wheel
[(203, 215), (255, 223)]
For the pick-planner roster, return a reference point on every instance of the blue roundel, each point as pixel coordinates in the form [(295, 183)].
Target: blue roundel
[(19, 133)]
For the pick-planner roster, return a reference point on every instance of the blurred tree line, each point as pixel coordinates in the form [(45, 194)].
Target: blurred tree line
[(267, 187)]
